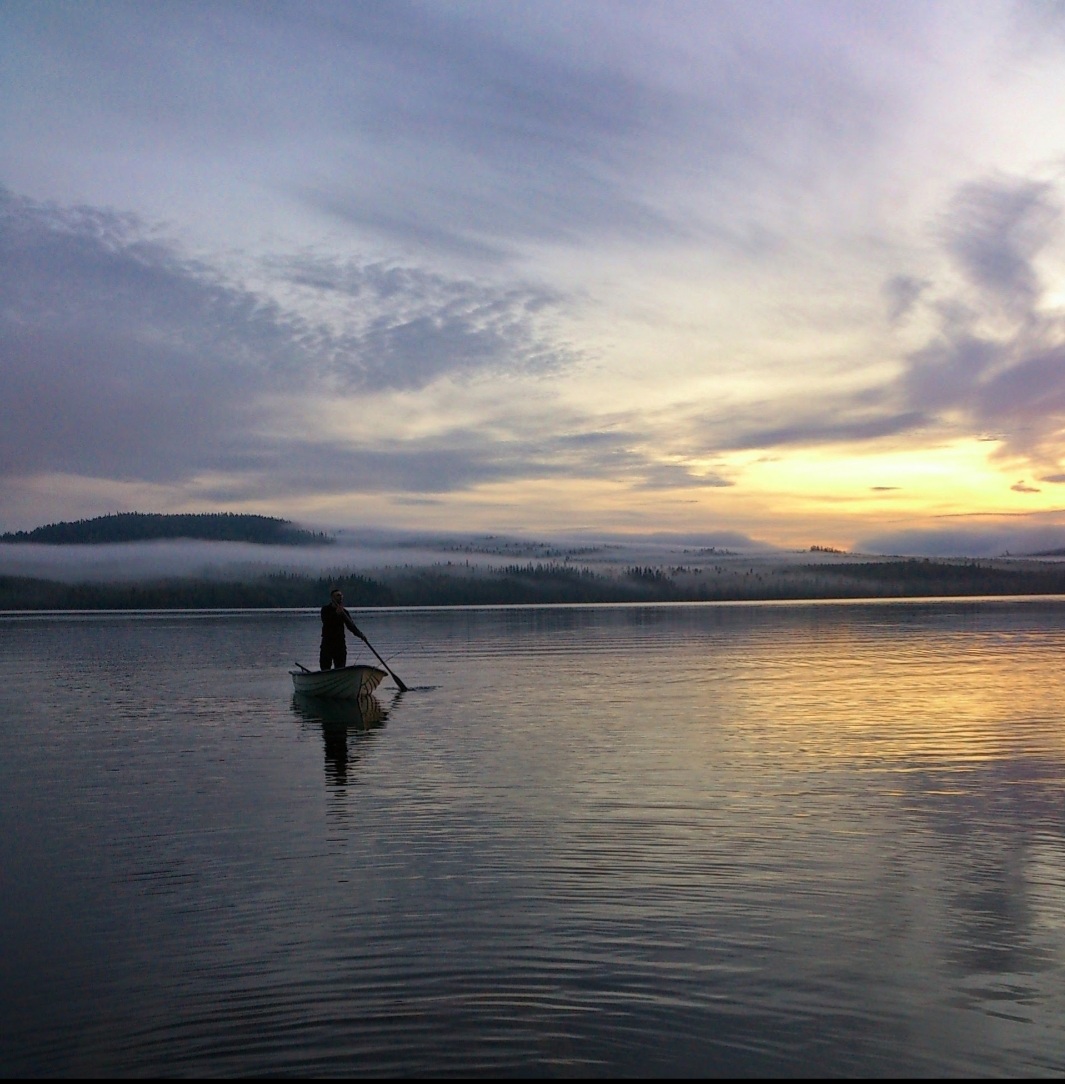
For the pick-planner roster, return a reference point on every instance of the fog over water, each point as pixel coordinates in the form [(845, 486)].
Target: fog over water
[(110, 562), (379, 552)]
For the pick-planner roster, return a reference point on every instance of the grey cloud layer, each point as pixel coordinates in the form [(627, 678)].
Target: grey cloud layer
[(994, 229), (995, 363), (998, 359), (479, 128), (121, 358), (461, 459), (560, 123), (406, 326), (980, 536)]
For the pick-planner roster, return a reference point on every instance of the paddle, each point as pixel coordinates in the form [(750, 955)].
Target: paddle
[(399, 684), (338, 602)]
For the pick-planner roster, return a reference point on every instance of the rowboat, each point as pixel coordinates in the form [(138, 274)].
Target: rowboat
[(345, 683)]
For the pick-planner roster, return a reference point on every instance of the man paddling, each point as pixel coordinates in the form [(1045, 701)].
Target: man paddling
[(335, 617)]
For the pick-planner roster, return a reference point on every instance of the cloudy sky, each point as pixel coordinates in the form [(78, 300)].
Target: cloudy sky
[(792, 271)]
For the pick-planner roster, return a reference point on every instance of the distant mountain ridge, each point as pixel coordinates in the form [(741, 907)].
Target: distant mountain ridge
[(152, 526)]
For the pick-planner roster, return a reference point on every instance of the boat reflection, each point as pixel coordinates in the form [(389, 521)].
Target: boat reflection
[(343, 723)]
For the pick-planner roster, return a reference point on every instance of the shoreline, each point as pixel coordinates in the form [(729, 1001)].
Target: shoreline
[(723, 578)]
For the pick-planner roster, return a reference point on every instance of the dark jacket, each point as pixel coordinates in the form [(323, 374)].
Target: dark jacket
[(333, 624)]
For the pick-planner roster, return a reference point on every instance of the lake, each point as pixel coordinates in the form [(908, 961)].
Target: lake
[(819, 839)]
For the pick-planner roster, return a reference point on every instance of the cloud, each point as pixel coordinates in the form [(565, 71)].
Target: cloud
[(121, 357), (403, 327), (996, 361), (449, 246), (946, 373), (827, 428), (566, 125), (461, 459), (902, 292), (985, 537), (125, 359), (668, 476), (994, 228)]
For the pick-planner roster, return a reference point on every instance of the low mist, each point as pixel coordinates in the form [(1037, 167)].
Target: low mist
[(134, 561)]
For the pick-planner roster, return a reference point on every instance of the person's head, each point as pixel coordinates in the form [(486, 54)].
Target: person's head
[(336, 595)]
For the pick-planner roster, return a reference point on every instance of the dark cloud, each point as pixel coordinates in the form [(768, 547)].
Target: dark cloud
[(902, 293), (454, 461), (946, 373), (475, 135), (121, 358), (1027, 399), (979, 372), (1014, 536), (825, 427), (994, 229), (124, 359), (408, 326), (665, 476), (1039, 25)]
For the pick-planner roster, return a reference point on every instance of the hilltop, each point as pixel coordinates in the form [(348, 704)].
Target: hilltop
[(146, 527)]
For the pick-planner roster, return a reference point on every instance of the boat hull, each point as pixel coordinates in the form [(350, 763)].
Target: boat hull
[(346, 683)]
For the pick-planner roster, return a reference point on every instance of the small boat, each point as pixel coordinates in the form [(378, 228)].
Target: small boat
[(345, 683)]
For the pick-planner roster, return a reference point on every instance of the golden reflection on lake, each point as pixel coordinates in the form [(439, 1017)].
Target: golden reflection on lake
[(679, 841)]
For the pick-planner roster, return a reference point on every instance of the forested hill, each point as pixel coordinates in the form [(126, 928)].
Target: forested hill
[(146, 526)]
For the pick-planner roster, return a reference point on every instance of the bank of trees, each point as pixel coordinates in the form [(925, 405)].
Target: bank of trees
[(547, 583)]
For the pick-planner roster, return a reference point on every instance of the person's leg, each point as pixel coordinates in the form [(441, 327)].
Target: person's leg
[(333, 655)]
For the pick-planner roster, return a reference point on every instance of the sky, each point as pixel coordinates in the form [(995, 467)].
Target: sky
[(784, 272)]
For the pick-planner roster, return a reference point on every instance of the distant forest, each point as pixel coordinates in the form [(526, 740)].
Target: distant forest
[(547, 583), (149, 527)]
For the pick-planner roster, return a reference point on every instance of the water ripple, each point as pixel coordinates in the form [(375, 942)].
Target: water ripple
[(589, 841)]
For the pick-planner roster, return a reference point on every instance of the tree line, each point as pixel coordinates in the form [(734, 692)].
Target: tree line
[(544, 584)]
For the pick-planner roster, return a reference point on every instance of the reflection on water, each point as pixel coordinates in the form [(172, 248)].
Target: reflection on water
[(344, 724), (768, 840)]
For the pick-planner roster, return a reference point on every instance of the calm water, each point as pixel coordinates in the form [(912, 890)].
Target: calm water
[(785, 840)]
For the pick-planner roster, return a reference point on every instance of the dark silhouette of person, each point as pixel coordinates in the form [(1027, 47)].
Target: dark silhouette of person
[(335, 618)]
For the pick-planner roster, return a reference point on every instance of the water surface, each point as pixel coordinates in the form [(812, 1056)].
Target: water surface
[(775, 839)]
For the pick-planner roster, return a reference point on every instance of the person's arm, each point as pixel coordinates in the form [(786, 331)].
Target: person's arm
[(351, 624)]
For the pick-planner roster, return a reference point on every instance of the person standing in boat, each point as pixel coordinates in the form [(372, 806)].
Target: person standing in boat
[(335, 618)]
